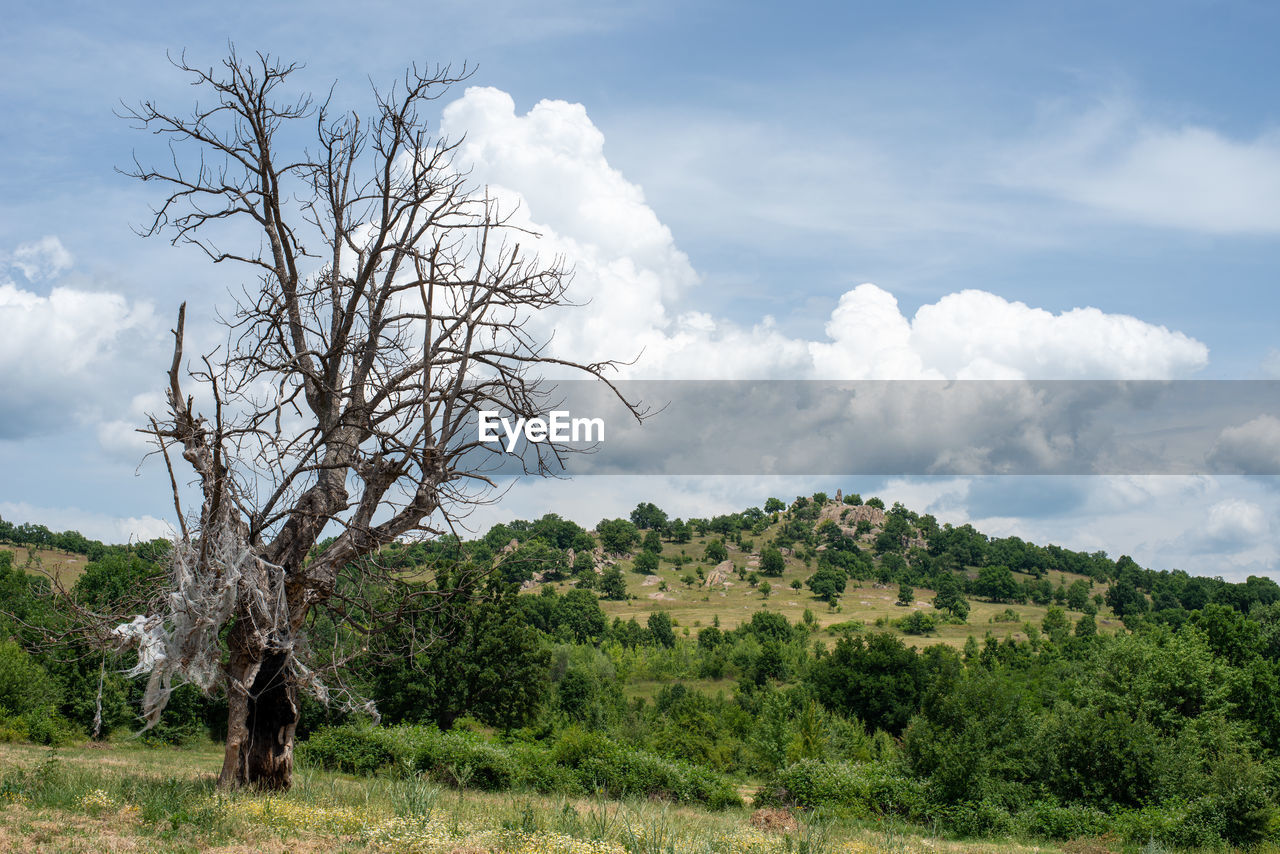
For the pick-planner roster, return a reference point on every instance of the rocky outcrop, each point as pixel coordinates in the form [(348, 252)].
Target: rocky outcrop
[(720, 574)]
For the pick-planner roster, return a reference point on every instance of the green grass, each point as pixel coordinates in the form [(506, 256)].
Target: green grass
[(127, 797), (66, 567)]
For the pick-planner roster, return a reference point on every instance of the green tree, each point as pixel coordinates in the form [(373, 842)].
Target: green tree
[(769, 664), (950, 597), (771, 562), (997, 584), (968, 742), (1078, 595), (828, 583), (583, 561), (680, 532), (115, 580), (647, 515), (617, 536), (906, 595), (612, 585), (560, 533), (660, 628), (646, 562), (652, 541), (716, 551), (1125, 599), (918, 623), (494, 667), (1056, 625), (24, 684), (578, 615), (774, 505), (876, 679), (893, 536), (768, 625), (532, 558)]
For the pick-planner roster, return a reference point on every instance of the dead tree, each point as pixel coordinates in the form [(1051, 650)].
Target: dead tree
[(389, 303)]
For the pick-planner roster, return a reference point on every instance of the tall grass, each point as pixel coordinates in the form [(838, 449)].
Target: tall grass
[(164, 800)]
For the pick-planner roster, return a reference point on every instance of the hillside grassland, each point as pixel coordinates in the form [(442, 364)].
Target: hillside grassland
[(64, 566), (693, 606)]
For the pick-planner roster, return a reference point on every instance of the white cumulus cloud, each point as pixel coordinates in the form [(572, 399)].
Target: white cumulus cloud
[(1231, 525), (63, 354), (1252, 447), (551, 162)]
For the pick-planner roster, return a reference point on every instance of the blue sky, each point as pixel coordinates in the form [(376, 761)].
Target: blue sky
[(1121, 157)]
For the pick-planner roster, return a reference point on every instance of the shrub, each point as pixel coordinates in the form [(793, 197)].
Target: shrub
[(579, 763), (352, 748), (540, 771), (45, 727), (24, 684), (864, 790), (603, 765), (464, 760), (918, 623), (971, 819), (1049, 820)]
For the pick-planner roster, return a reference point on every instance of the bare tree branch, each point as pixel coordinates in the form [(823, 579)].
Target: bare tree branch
[(344, 401)]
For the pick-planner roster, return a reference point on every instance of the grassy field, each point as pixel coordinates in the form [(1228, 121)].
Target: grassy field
[(64, 566), (128, 797)]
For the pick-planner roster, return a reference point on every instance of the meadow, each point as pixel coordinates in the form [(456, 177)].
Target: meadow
[(126, 796), (783, 682)]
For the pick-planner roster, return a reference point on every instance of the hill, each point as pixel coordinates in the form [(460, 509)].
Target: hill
[(696, 590), (65, 566), (647, 659)]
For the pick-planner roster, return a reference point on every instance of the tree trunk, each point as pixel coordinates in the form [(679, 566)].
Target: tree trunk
[(261, 721)]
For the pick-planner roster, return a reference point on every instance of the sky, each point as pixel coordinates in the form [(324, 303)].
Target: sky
[(747, 191)]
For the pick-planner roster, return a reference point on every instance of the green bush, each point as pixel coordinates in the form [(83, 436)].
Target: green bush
[(1238, 807), (1240, 815), (974, 819), (861, 790), (579, 763), (28, 701), (542, 773), (604, 766), (24, 684), (464, 760), (46, 727), (351, 748), (1047, 819), (918, 623)]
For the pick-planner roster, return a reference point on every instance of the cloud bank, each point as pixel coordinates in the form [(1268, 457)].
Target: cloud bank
[(64, 353), (550, 163)]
